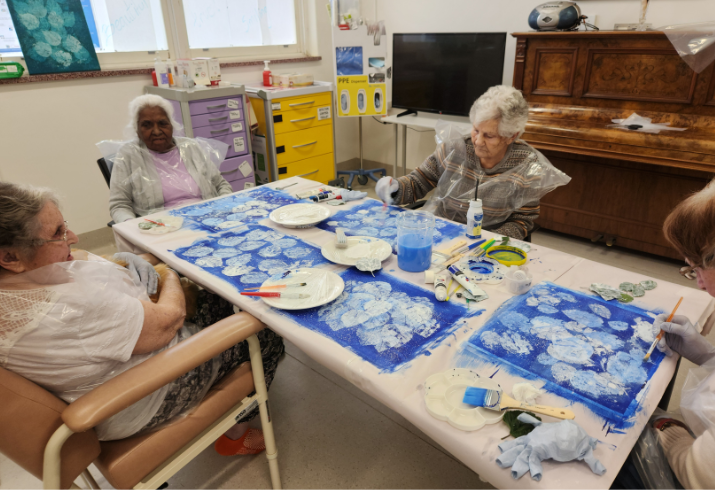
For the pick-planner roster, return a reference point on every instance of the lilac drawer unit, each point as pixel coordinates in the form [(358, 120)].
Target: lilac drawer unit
[(207, 106), (217, 130), (217, 119), (239, 185)]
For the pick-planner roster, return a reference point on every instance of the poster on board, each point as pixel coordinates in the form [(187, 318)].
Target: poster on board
[(54, 36), (360, 69)]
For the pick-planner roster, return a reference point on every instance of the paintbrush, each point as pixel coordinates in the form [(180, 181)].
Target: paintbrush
[(278, 286), (481, 250), (498, 401), (661, 333), (275, 295)]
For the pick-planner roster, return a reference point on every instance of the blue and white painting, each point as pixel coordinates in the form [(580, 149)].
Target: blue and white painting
[(249, 255), (586, 349), (234, 210), (370, 219), (386, 321), (54, 36)]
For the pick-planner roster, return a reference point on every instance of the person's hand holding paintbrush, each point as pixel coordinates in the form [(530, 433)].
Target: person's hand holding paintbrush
[(682, 337)]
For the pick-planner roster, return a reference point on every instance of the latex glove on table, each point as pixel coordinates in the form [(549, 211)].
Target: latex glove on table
[(682, 337), (561, 441), (142, 271), (385, 189), (348, 196)]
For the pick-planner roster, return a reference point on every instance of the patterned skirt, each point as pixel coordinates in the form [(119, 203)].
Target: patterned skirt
[(187, 391)]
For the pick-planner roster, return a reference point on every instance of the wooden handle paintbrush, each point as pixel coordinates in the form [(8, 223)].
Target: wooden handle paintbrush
[(661, 333), (498, 401)]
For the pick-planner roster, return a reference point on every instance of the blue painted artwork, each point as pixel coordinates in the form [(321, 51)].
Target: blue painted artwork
[(369, 219), (234, 210), (584, 348), (249, 255), (54, 36), (386, 321)]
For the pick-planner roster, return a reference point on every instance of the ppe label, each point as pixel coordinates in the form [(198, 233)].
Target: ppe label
[(239, 144), (323, 113), (245, 168), (235, 127), (232, 104), (234, 115), (276, 106)]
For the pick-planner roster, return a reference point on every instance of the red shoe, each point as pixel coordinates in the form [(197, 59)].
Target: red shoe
[(249, 443)]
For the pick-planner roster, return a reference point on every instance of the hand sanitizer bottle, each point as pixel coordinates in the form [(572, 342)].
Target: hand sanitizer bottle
[(267, 77)]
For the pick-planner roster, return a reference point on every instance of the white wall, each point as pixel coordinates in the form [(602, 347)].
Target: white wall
[(48, 130), (509, 16)]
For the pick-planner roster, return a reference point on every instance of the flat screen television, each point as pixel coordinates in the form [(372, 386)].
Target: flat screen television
[(445, 73)]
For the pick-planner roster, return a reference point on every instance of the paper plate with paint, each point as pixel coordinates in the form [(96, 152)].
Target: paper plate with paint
[(321, 287), (484, 270), (301, 215), (359, 247), (160, 226), (444, 393)]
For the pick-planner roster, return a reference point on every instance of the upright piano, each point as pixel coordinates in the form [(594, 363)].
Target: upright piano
[(624, 183)]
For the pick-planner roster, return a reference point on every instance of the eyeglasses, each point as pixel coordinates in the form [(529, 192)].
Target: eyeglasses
[(42, 241), (689, 272)]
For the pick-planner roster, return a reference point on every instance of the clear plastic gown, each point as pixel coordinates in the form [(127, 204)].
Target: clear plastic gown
[(507, 192)]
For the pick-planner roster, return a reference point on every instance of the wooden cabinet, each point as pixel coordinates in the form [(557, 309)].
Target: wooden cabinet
[(624, 183), (295, 135)]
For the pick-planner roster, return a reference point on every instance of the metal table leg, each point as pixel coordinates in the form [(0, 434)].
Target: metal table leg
[(404, 150)]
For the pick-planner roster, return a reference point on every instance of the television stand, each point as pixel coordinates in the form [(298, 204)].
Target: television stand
[(407, 113)]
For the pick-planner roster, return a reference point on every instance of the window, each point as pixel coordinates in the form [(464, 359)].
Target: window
[(115, 26), (131, 33), (241, 28)]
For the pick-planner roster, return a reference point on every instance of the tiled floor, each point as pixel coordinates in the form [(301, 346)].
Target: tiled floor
[(331, 435)]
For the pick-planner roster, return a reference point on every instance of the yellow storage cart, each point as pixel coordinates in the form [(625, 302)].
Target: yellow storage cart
[(295, 135)]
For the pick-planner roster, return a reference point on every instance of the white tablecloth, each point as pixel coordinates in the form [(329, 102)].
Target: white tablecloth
[(402, 390)]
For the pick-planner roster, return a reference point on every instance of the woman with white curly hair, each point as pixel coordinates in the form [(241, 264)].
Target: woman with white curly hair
[(160, 170), (498, 119)]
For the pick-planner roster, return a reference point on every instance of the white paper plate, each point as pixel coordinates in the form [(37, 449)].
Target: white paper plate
[(322, 286), (443, 397), (301, 215), (358, 247), (172, 223)]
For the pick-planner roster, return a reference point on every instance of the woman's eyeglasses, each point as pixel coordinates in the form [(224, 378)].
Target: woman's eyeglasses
[(42, 241)]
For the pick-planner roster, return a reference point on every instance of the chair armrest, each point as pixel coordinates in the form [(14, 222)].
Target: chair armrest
[(143, 379)]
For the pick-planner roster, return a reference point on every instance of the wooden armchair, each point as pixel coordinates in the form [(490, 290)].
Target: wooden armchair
[(56, 442)]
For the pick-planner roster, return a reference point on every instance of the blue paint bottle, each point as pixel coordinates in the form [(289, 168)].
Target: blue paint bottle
[(414, 240)]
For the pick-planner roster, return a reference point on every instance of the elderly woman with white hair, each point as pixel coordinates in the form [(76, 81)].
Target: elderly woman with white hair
[(159, 170), (498, 119)]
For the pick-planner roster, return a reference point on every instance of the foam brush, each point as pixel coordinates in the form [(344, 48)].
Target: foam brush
[(498, 401)]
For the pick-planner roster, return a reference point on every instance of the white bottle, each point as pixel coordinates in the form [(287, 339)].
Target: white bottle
[(162, 73), (440, 285), (475, 215)]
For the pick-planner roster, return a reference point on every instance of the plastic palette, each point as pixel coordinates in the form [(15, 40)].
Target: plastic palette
[(484, 270), (444, 393), (506, 255)]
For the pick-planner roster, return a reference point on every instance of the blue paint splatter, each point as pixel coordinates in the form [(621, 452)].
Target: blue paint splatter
[(386, 321), (370, 219), (577, 354), (245, 262), (234, 210)]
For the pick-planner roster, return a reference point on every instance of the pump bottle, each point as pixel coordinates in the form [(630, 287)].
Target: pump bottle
[(267, 77)]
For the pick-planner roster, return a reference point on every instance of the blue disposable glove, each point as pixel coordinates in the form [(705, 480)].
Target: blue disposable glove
[(682, 337), (352, 195), (142, 270), (562, 441)]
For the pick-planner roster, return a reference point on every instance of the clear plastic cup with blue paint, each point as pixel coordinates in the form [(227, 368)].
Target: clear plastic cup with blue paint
[(414, 240)]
